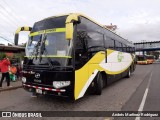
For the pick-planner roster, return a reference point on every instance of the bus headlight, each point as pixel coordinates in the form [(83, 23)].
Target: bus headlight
[(60, 84), (24, 79)]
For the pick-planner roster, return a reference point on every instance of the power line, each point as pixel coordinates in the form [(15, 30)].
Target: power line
[(6, 39), (8, 20), (5, 10), (11, 10)]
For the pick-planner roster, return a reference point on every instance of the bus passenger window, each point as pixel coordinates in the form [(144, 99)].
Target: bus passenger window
[(118, 46), (109, 43), (95, 39), (124, 48)]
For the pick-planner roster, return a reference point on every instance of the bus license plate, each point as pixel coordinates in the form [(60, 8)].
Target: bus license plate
[(39, 91)]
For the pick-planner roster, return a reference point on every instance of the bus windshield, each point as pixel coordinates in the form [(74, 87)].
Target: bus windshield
[(150, 56), (55, 45), (57, 48), (141, 58)]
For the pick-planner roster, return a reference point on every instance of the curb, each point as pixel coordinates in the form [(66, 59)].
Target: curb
[(10, 88)]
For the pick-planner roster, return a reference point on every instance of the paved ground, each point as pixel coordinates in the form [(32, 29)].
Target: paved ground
[(125, 94), (151, 83)]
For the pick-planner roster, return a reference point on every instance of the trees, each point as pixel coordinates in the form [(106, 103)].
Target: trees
[(2, 55), (15, 58)]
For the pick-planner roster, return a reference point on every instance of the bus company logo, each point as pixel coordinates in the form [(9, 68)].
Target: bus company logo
[(6, 114), (37, 75), (120, 56)]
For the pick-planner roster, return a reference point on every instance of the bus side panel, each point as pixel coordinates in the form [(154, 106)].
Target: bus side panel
[(81, 76), (117, 63), (85, 75)]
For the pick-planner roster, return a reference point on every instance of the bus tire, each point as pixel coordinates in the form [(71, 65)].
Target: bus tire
[(128, 73), (99, 84)]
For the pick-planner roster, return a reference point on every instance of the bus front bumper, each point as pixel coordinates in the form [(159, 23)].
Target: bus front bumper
[(45, 90)]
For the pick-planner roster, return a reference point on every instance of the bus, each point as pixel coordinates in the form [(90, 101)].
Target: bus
[(150, 58), (145, 59), (142, 60), (72, 55)]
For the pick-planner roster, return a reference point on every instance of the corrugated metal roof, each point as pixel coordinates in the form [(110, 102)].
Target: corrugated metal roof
[(14, 49)]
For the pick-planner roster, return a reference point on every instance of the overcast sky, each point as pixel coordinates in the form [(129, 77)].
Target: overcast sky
[(137, 20)]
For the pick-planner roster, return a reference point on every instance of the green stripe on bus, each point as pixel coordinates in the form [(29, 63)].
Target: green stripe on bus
[(48, 31)]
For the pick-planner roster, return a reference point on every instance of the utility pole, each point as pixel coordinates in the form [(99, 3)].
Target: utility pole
[(143, 42)]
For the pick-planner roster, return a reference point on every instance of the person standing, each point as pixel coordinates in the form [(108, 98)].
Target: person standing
[(19, 72), (12, 73), (5, 71)]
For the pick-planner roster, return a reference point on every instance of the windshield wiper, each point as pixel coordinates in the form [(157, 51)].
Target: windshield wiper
[(44, 50), (35, 49)]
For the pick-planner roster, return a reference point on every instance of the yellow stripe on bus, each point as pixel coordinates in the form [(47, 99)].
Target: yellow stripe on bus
[(48, 31)]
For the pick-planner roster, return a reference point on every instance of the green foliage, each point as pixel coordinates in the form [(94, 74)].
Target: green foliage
[(2, 55), (19, 56)]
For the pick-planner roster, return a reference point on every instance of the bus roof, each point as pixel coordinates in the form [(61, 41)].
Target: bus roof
[(80, 14)]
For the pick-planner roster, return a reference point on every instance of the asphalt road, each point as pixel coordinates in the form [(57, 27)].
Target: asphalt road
[(125, 94)]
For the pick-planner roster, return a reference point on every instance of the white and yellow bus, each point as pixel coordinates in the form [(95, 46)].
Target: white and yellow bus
[(150, 58), (71, 55)]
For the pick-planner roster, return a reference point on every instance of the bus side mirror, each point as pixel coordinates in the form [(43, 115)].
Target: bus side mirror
[(72, 18), (16, 37), (69, 31)]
